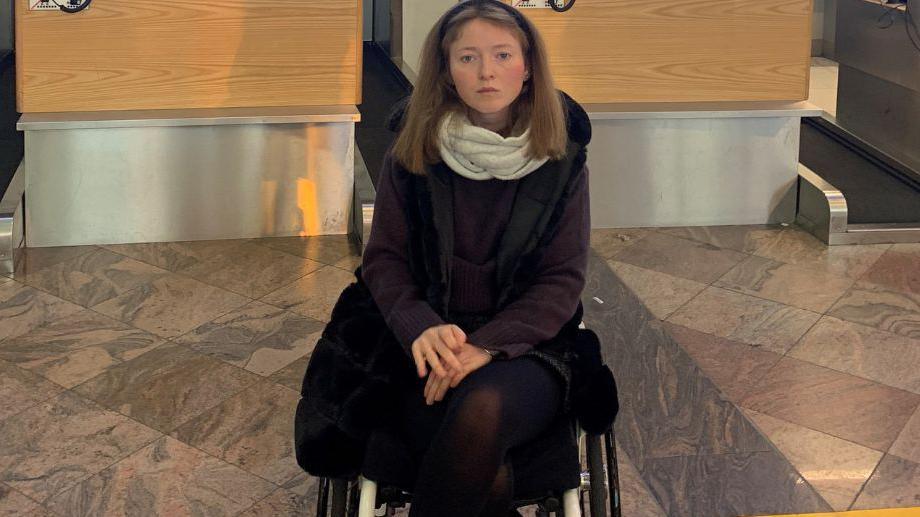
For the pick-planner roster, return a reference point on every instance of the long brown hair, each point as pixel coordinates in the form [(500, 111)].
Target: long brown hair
[(538, 106)]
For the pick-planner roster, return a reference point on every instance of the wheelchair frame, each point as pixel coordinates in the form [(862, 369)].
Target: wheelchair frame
[(361, 498)]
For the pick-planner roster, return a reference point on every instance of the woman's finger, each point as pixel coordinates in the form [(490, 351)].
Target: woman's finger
[(447, 337), (459, 376), (428, 385), (459, 335), (449, 356), (431, 389), (443, 385), (419, 361), (433, 360)]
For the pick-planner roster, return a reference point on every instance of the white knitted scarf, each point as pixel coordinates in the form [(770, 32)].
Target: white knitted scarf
[(480, 154)]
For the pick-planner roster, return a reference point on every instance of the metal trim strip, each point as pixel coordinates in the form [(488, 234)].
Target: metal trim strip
[(188, 117)]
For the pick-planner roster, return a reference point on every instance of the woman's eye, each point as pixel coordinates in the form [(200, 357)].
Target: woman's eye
[(466, 59), (504, 55)]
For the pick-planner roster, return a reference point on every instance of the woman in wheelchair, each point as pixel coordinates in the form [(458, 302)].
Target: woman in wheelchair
[(472, 273)]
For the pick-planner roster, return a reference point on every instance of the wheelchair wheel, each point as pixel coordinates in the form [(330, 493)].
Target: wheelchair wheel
[(597, 495), (613, 474), (337, 498)]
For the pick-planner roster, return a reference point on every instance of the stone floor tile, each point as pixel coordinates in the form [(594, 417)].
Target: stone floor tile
[(760, 483), (896, 271), (251, 430), (681, 257), (796, 285), (292, 374), (878, 307), (76, 440), (328, 249), (661, 293), (257, 337), (171, 306), (165, 478), (795, 246), (173, 256), (36, 259), (907, 445), (25, 308), (78, 347), (841, 405), (895, 484), (635, 498), (303, 485), (909, 248), (93, 277), (731, 365), (744, 238), (167, 386), (863, 351), (835, 468), (607, 242), (14, 504), (767, 324), (283, 503), (313, 295), (251, 270), (349, 263), (21, 389)]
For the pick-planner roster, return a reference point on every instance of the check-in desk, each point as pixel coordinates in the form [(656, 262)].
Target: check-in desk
[(188, 120), (695, 105)]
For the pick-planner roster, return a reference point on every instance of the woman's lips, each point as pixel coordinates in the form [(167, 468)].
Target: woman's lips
[(486, 90)]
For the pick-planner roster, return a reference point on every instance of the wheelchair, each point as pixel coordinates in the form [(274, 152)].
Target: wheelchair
[(597, 493)]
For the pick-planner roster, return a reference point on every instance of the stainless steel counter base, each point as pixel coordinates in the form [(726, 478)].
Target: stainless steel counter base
[(160, 182), (11, 223), (711, 169)]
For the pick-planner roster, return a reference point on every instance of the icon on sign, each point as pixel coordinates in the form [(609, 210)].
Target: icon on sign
[(43, 5)]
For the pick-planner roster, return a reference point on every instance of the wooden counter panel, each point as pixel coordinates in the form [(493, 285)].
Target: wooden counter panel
[(189, 54), (681, 50)]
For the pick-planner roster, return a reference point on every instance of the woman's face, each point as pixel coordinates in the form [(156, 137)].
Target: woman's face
[(488, 69)]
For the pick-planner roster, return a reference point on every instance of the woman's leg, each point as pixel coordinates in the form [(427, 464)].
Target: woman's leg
[(501, 494), (500, 406)]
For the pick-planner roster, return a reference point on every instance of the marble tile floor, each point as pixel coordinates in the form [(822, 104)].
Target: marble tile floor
[(818, 346), (160, 378)]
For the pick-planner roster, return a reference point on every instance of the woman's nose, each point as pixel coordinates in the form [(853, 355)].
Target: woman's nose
[(485, 71)]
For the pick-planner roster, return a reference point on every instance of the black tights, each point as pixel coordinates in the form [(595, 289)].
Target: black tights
[(464, 440)]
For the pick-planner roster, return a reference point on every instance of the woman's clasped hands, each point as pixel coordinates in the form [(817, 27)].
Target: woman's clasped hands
[(444, 350)]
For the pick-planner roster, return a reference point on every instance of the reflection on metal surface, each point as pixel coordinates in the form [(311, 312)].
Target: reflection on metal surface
[(155, 184), (822, 208), (364, 196), (308, 203), (11, 227), (689, 172), (882, 113), (822, 211)]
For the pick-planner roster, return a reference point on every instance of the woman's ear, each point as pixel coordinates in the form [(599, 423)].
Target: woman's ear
[(526, 74)]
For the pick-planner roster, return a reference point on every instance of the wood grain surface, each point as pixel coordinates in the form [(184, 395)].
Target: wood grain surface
[(121, 55), (680, 50)]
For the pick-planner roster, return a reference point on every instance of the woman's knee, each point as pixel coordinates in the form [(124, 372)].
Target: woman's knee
[(477, 413)]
